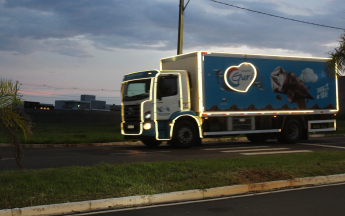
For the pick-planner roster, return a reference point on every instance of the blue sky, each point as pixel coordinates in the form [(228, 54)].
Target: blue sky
[(91, 44)]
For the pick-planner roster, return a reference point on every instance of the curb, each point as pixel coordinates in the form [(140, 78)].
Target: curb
[(103, 204), (113, 143)]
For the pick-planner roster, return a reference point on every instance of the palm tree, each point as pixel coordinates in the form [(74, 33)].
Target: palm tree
[(11, 117), (337, 61)]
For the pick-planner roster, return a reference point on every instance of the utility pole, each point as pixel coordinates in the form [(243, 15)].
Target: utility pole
[(180, 27)]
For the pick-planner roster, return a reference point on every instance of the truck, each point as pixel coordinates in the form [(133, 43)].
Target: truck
[(208, 94)]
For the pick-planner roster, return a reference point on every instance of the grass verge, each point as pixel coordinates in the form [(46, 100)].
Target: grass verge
[(61, 133), (70, 184)]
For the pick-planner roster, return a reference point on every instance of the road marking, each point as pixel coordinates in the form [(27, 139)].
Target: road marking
[(250, 150), (276, 152), (128, 153), (327, 143), (153, 152), (8, 159), (213, 149), (224, 146), (340, 147), (209, 200)]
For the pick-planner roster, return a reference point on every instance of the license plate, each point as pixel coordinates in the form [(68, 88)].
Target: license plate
[(130, 126)]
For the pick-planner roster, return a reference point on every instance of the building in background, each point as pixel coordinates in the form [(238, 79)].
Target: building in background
[(87, 102), (71, 105), (37, 105), (87, 97)]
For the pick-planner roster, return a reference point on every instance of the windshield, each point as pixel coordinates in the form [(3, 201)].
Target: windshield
[(137, 90)]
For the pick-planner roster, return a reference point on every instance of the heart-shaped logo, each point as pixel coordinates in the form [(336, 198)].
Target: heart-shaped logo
[(240, 78)]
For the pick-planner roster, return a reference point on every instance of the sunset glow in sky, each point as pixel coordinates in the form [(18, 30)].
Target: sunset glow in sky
[(60, 49)]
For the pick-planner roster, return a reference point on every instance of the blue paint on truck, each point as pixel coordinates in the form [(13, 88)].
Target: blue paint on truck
[(279, 85)]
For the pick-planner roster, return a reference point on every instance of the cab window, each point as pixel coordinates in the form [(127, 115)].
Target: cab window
[(167, 86)]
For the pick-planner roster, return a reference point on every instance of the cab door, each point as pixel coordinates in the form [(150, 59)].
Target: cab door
[(168, 96)]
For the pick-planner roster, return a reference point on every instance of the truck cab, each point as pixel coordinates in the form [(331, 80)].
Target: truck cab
[(156, 106)]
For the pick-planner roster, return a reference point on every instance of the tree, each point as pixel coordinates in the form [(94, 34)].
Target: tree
[(337, 61), (11, 117)]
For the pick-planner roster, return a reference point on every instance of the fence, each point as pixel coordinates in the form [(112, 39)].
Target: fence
[(73, 116)]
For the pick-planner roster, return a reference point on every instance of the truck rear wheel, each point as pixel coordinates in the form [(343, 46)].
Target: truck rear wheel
[(185, 134), (291, 133), (257, 138), (151, 142)]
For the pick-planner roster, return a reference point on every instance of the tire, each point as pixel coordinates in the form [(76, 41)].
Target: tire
[(151, 142), (184, 135), (257, 138), (291, 133)]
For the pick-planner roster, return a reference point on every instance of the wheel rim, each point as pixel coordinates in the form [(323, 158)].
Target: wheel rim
[(185, 135), (293, 131)]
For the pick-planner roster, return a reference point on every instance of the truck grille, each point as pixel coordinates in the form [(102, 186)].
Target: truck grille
[(132, 113)]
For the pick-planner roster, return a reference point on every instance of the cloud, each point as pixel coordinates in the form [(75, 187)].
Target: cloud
[(308, 75), (33, 25), (68, 47)]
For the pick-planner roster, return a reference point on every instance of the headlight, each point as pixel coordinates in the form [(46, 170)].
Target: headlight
[(147, 126), (147, 115)]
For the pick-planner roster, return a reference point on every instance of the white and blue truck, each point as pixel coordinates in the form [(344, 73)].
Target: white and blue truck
[(204, 94)]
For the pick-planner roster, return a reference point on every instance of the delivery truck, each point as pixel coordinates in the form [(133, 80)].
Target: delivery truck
[(205, 94)]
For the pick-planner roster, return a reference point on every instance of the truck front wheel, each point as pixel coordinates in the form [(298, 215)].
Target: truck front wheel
[(151, 142), (291, 133), (185, 134)]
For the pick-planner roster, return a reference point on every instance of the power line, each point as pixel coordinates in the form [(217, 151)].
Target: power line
[(50, 96), (59, 98), (59, 95), (44, 93), (278, 16), (48, 86), (42, 96)]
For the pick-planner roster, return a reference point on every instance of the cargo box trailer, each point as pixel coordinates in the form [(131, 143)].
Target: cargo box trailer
[(204, 94)]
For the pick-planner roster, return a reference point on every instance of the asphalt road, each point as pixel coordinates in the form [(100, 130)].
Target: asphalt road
[(321, 200), (87, 156)]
